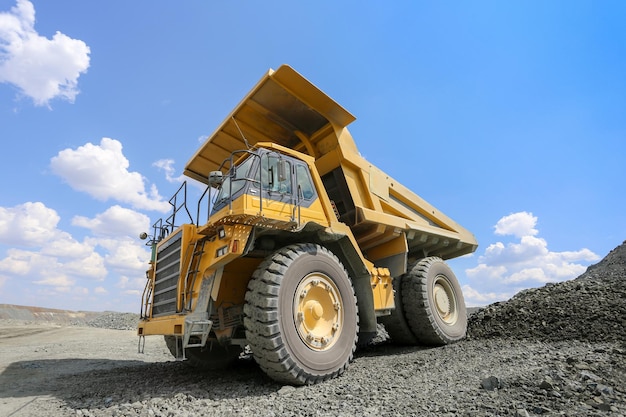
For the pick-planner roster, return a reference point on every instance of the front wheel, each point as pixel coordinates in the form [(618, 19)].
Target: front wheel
[(301, 315), (433, 303)]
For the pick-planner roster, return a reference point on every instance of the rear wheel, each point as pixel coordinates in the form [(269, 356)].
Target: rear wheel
[(396, 324), (301, 315), (211, 357), (433, 303)]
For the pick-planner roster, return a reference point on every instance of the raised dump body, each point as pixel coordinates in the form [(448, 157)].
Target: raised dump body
[(304, 248), (286, 109)]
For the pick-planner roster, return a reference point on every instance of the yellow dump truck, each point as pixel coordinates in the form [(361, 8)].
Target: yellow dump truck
[(298, 247)]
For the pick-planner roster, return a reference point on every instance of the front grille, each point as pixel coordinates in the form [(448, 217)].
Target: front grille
[(166, 276)]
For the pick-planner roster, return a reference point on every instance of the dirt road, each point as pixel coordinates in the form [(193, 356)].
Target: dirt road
[(35, 357)]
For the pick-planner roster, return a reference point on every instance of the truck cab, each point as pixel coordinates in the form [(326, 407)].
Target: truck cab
[(270, 181)]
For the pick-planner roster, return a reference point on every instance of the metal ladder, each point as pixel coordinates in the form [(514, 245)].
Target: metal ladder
[(199, 328), (192, 272), (196, 327), (197, 324)]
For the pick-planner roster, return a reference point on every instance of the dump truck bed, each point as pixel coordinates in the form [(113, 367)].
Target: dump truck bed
[(285, 108)]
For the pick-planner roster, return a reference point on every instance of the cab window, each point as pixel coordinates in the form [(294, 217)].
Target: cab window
[(276, 174), (305, 185)]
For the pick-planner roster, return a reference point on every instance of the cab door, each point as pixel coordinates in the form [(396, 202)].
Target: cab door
[(308, 205), (273, 193)]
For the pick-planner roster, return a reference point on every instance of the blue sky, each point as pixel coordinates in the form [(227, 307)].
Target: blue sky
[(507, 116)]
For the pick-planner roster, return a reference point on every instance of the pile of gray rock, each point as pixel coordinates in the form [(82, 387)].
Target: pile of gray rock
[(588, 312), (114, 321), (591, 307), (15, 314)]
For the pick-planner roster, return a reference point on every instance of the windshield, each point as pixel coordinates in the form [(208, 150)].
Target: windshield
[(233, 183)]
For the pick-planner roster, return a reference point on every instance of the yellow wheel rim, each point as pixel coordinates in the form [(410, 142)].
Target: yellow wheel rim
[(318, 311), (444, 299)]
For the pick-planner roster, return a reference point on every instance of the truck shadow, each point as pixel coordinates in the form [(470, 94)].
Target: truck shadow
[(102, 383), (107, 382)]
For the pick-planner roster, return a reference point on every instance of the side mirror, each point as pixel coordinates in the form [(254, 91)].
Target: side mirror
[(143, 236), (216, 178)]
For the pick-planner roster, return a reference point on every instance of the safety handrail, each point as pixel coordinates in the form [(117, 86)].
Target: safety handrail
[(146, 299), (206, 193), (176, 207)]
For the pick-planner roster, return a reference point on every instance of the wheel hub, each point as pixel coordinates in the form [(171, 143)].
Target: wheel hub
[(445, 300), (442, 301), (313, 311), (317, 311)]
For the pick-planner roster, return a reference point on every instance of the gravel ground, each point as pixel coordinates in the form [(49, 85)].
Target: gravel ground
[(555, 350)]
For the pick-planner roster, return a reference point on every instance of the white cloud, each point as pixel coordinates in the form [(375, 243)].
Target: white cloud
[(116, 221), (100, 290), (102, 172), (526, 251), (36, 264), (17, 262), (53, 257), (133, 287), (65, 246), (122, 282), (126, 256), (57, 281), (475, 298), (506, 268), (134, 283), (51, 267), (29, 224), (54, 269), (517, 224), (583, 254), (41, 68), (167, 166), (486, 271), (62, 292), (91, 267), (528, 274)]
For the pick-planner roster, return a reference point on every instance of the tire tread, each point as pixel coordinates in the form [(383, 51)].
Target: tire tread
[(418, 312), (261, 318)]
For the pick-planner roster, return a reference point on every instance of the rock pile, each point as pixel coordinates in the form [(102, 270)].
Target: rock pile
[(39, 315), (114, 321), (591, 307)]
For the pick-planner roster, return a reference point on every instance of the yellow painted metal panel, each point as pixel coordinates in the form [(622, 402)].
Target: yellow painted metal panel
[(234, 281), (394, 244), (382, 290), (167, 325)]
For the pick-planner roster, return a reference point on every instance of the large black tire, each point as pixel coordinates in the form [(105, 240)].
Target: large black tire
[(301, 315), (396, 324), (433, 303), (211, 357)]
